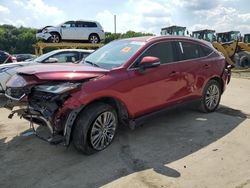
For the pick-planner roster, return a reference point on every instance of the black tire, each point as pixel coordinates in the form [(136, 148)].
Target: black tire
[(94, 38), (244, 62), (207, 96), (84, 127), (55, 38)]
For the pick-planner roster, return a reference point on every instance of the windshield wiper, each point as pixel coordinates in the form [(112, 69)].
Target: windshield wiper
[(91, 63)]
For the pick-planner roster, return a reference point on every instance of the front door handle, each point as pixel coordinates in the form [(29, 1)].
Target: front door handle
[(173, 73)]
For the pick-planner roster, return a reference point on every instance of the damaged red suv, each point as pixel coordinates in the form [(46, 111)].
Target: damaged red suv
[(126, 81)]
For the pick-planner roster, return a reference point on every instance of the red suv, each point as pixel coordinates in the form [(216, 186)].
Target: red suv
[(126, 81)]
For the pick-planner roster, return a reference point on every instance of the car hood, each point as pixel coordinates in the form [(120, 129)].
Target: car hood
[(17, 64), (62, 71)]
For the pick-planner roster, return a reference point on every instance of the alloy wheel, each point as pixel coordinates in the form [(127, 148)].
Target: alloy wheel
[(103, 130), (212, 96), (55, 38), (94, 39)]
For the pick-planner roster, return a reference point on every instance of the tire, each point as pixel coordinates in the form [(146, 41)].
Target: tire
[(244, 62), (88, 135), (55, 38), (211, 96), (94, 38)]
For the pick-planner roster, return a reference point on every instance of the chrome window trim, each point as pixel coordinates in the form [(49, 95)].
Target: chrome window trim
[(181, 61)]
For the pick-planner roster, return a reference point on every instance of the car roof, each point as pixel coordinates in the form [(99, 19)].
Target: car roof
[(72, 50), (86, 21), (172, 37)]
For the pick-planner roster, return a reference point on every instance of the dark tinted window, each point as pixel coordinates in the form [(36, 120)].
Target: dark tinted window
[(3, 57), (86, 24), (164, 51), (205, 51), (192, 50)]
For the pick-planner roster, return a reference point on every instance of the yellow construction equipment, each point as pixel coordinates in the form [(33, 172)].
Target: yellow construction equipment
[(40, 46), (173, 30), (235, 52), (246, 38), (242, 55), (245, 44)]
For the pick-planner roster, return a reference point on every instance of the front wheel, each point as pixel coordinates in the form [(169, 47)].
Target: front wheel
[(95, 128), (211, 96), (55, 38)]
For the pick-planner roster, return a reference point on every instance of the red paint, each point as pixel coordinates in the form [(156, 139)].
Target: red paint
[(141, 93)]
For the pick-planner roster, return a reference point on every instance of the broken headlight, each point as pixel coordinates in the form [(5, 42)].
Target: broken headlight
[(58, 88)]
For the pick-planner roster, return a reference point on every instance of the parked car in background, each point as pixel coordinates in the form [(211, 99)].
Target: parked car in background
[(91, 31), (56, 56), (126, 81), (24, 57), (6, 58)]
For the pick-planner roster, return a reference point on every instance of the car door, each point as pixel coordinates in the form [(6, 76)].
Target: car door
[(152, 88), (80, 33), (191, 65), (68, 30)]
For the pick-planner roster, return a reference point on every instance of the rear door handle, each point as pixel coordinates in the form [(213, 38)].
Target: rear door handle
[(206, 66), (173, 73)]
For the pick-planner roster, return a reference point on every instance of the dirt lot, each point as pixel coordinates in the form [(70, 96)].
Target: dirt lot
[(182, 148)]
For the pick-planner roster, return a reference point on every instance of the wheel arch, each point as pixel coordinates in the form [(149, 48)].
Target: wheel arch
[(94, 34), (220, 81), (56, 33), (116, 103)]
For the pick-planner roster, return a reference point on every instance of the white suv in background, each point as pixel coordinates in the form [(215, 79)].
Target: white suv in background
[(91, 31)]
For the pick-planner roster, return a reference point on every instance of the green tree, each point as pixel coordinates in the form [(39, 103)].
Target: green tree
[(17, 40)]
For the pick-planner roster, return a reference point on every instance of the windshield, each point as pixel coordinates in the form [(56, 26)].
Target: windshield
[(44, 56), (113, 54)]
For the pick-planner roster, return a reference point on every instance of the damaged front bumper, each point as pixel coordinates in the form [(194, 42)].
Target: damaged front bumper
[(45, 106), (43, 36)]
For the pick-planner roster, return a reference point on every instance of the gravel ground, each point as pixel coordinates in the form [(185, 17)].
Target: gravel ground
[(182, 148)]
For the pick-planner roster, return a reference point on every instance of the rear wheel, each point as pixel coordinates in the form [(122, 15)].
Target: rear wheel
[(94, 38), (55, 38), (211, 96), (95, 128)]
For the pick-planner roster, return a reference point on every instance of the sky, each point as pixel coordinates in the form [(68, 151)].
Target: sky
[(137, 15)]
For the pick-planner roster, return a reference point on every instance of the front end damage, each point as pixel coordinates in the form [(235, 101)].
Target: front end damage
[(47, 104)]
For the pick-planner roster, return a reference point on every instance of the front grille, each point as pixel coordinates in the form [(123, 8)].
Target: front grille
[(39, 95), (16, 93)]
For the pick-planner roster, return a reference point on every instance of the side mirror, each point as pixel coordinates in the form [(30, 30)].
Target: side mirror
[(52, 60), (149, 62), (63, 26)]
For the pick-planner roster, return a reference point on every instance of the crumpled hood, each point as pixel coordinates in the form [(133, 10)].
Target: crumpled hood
[(62, 71)]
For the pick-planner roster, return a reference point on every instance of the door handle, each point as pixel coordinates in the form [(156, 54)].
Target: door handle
[(206, 66), (173, 73)]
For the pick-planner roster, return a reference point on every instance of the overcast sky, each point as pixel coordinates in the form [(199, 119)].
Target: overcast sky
[(136, 15)]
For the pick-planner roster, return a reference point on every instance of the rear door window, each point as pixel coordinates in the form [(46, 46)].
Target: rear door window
[(86, 24), (190, 50)]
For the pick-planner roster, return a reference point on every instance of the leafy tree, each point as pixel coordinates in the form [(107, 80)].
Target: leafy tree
[(113, 36), (20, 39), (17, 40)]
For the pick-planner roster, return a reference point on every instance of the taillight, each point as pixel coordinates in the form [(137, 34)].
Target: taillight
[(12, 59)]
